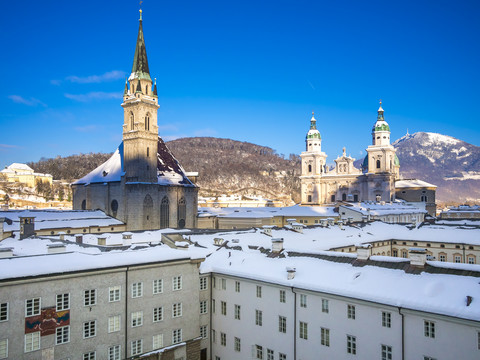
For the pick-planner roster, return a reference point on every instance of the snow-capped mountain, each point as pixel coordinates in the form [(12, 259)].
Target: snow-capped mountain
[(451, 164)]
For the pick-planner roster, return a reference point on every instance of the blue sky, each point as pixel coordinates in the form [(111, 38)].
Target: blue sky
[(246, 70)]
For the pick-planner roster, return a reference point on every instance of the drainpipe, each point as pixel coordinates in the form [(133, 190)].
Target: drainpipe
[(126, 311), (403, 332), (211, 316), (294, 324)]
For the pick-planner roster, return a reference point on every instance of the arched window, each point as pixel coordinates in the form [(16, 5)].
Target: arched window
[(309, 168), (147, 122), (84, 205), (146, 89), (132, 121), (182, 212), (378, 164), (147, 212), (164, 213), (114, 207), (344, 197)]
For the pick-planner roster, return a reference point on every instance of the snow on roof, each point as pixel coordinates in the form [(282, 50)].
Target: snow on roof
[(437, 293), (81, 258), (266, 212), (20, 166), (412, 183), (54, 219), (169, 171), (377, 209)]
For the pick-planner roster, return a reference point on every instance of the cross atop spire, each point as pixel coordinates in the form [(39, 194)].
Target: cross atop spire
[(313, 122), (140, 62)]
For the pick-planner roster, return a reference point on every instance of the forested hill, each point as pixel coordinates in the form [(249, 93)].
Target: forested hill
[(224, 165)]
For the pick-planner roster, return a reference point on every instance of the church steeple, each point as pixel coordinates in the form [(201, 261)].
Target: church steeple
[(140, 62)]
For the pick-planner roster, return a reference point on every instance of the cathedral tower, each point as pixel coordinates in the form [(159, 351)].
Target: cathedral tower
[(140, 129), (313, 166)]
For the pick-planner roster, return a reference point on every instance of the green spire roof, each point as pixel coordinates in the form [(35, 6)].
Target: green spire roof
[(140, 62), (313, 133)]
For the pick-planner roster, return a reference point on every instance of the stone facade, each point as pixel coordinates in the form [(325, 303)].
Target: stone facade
[(375, 182), (142, 184)]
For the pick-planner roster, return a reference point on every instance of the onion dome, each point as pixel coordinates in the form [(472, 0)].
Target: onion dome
[(381, 124), (313, 133)]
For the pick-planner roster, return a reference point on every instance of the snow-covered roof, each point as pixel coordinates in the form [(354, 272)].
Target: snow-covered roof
[(378, 209), (169, 171), (431, 292), (266, 212), (413, 183), (54, 219), (19, 166)]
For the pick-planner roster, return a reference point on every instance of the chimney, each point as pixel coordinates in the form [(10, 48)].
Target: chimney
[(127, 238), (62, 235), (267, 230), (291, 273), (6, 253), (27, 225), (418, 257), (56, 248), (340, 224), (364, 251), (218, 241), (277, 245)]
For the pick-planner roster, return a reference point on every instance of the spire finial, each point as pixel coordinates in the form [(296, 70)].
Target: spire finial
[(140, 11)]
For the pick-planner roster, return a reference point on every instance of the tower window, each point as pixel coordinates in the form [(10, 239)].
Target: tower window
[(333, 198), (378, 164), (132, 121), (309, 198), (309, 168), (148, 152), (84, 205), (147, 122)]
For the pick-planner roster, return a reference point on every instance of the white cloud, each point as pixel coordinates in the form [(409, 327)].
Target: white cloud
[(94, 95), (87, 128), (7, 147), (108, 76), (29, 102), (205, 132)]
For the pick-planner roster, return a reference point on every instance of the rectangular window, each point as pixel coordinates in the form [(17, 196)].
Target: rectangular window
[(283, 296), (282, 324), (89, 297), (325, 306), (136, 318), (63, 302), (137, 290), (237, 286), (443, 258), (386, 352), (395, 253), (325, 336), (478, 340), (204, 331), (428, 358), (114, 352), (89, 329), (32, 341), (237, 344), (157, 341), (237, 312), (429, 329), (114, 293), (177, 283), (223, 305), (203, 307), (471, 260), (303, 300), (177, 310), (303, 330), (270, 354), (203, 283), (258, 317), (4, 312), (223, 339), (224, 284), (62, 335), (32, 307), (258, 352), (386, 319), (136, 347), (214, 336), (259, 291), (351, 312), (3, 348), (92, 355), (158, 314), (157, 286), (351, 345), (214, 279), (114, 323), (177, 336), (282, 356), (213, 306)]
